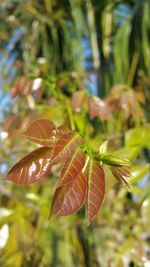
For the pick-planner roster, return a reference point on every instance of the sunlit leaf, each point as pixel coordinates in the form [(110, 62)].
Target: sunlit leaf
[(129, 153), (32, 168), (41, 132), (138, 137), (139, 171), (95, 189), (5, 212)]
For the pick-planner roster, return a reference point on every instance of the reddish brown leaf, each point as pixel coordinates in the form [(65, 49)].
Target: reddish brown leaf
[(98, 108), (65, 146), (96, 188), (32, 168), (72, 168), (58, 199), (69, 199), (113, 98), (61, 130), (126, 104), (11, 124), (122, 99), (41, 132)]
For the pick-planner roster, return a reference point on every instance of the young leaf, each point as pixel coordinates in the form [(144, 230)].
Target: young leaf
[(72, 168), (32, 168), (138, 137), (41, 132), (103, 147), (73, 196), (96, 188), (99, 108), (65, 146), (113, 160), (58, 199), (122, 174)]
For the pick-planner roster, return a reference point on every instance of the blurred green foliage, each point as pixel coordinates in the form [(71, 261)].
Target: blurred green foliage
[(51, 49), (118, 32)]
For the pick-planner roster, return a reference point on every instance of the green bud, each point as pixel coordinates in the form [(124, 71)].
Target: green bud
[(114, 160)]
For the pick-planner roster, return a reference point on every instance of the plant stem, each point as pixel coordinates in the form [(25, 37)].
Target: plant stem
[(71, 120), (132, 69)]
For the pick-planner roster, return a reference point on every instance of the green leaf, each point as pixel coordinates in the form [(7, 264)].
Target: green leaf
[(113, 160), (129, 153), (110, 179), (138, 172), (139, 137)]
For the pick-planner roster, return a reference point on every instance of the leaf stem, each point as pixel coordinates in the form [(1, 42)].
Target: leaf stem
[(71, 120)]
